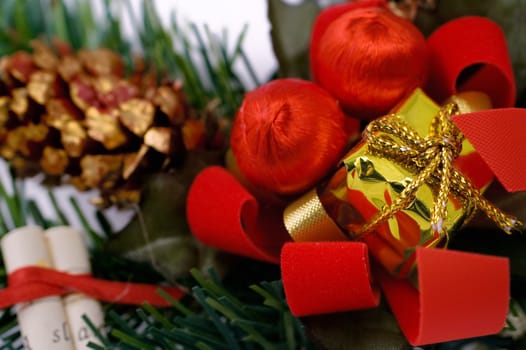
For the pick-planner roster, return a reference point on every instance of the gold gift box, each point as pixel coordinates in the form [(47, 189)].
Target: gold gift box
[(364, 184)]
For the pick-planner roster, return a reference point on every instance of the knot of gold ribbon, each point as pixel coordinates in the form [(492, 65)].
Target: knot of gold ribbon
[(431, 159)]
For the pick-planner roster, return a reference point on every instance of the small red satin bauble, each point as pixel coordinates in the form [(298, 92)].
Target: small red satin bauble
[(331, 13), (287, 135), (368, 58)]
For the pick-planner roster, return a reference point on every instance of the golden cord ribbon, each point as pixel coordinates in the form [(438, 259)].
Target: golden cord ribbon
[(431, 159)]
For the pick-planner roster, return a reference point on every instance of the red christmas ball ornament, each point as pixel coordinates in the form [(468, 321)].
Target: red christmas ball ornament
[(368, 58), (331, 13), (287, 135)]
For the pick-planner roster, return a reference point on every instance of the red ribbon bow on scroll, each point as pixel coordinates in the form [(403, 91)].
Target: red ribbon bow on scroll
[(322, 277), (30, 283)]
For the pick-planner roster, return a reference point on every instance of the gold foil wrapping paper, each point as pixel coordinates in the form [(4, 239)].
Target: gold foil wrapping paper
[(364, 184)]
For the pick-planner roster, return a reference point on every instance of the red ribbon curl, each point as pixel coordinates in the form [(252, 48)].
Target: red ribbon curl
[(31, 283), (460, 295)]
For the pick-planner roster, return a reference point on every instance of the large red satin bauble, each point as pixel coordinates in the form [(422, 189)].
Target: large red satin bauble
[(368, 58), (287, 135)]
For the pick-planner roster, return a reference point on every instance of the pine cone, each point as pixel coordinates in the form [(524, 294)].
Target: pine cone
[(76, 117)]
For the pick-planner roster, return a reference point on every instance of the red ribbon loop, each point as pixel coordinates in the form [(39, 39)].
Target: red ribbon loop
[(478, 44), (324, 277), (460, 295), (470, 53), (30, 283), (223, 214)]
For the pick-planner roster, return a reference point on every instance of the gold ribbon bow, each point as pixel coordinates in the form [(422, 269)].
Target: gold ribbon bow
[(431, 158)]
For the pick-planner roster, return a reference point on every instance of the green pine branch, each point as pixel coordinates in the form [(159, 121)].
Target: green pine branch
[(212, 316), (221, 320), (205, 63), (175, 51)]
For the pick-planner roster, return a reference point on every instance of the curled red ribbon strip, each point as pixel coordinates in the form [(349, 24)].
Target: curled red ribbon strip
[(460, 295), (346, 285), (30, 283), (223, 214), (445, 307), (474, 43), (324, 277), (498, 134)]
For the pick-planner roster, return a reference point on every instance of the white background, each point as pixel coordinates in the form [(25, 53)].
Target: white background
[(225, 14)]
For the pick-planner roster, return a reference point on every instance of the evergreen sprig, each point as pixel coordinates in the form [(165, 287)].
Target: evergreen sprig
[(203, 62), (211, 317), (219, 320)]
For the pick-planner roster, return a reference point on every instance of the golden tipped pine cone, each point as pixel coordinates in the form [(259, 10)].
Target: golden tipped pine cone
[(78, 118)]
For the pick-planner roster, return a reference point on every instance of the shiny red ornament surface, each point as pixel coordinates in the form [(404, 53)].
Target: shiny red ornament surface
[(368, 58), (287, 134)]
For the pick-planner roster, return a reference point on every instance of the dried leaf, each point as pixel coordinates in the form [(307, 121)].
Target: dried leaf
[(100, 170), (124, 195), (111, 91), (170, 103), (19, 102), (69, 68), (4, 110), (167, 244), (83, 94), (194, 134), (133, 161), (21, 66), (27, 140), (58, 112), (74, 138), (291, 29)]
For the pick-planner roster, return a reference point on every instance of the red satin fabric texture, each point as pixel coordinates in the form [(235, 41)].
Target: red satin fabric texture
[(30, 283), (276, 121), (329, 15), (369, 59)]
